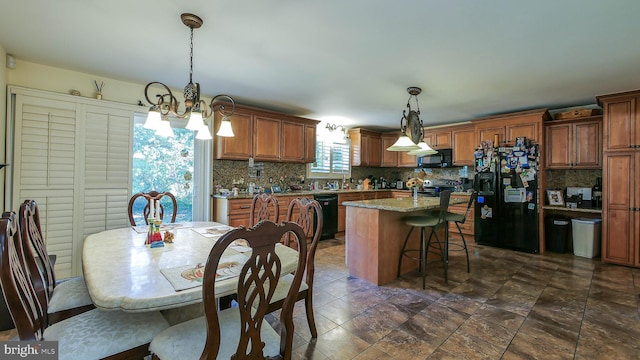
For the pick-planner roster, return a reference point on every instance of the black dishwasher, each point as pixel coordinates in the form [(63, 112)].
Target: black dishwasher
[(329, 204)]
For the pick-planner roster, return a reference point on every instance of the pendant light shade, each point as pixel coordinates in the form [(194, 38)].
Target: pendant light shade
[(204, 133), (424, 150), (195, 120), (403, 143), (225, 128), (153, 118)]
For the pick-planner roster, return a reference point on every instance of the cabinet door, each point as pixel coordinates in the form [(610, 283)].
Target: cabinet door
[(266, 132), (374, 154), (587, 145), (388, 158), (558, 142), (438, 139), (620, 124), (636, 213), (309, 143), (292, 142), (490, 133), (239, 147), (528, 130), (406, 160), (618, 215), (463, 146)]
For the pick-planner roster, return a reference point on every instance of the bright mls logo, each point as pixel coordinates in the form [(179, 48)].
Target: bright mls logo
[(31, 350)]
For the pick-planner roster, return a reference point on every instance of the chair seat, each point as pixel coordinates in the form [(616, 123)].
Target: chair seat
[(422, 221), (450, 216), (282, 289), (97, 334), (186, 340), (69, 294)]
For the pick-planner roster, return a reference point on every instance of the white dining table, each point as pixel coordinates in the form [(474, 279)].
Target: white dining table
[(122, 273)]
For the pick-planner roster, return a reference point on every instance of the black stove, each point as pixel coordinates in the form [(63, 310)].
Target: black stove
[(434, 187)]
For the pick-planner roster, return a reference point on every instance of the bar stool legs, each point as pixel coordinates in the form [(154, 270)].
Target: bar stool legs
[(424, 252), (464, 245)]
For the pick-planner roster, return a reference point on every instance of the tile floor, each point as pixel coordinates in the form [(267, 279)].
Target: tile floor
[(511, 305)]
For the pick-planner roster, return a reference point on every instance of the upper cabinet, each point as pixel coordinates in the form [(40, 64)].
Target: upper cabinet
[(438, 138), (365, 147), (463, 138), (267, 136), (621, 116), (574, 144), (506, 128), (388, 158)]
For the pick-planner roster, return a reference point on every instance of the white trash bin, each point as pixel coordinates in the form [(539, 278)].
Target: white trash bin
[(586, 237)]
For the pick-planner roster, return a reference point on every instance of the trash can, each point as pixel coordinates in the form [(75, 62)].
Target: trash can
[(586, 237), (557, 230)]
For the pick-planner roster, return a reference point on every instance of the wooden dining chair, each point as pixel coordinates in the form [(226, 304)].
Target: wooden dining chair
[(152, 196), (63, 299), (240, 332), (308, 214), (94, 334), (264, 207)]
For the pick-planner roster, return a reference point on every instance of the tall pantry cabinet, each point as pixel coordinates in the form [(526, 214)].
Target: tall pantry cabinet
[(621, 178)]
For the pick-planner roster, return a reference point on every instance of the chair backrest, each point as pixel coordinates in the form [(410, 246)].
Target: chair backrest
[(256, 285), (445, 196), (152, 196), (264, 207), (21, 298), (308, 214), (33, 249), (467, 213)]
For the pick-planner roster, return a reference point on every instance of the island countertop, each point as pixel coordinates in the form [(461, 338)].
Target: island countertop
[(405, 205)]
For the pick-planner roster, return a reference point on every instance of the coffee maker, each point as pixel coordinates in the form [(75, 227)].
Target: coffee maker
[(596, 194)]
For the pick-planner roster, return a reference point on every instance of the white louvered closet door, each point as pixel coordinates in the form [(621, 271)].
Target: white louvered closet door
[(43, 170), (107, 168), (73, 156)]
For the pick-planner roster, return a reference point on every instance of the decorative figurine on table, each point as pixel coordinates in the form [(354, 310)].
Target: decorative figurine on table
[(154, 237)]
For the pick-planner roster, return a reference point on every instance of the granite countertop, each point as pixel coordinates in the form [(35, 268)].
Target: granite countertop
[(317, 192), (583, 210), (401, 204)]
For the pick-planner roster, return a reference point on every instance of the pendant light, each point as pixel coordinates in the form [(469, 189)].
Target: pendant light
[(410, 121)]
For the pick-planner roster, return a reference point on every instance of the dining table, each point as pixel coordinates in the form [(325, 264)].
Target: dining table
[(122, 272)]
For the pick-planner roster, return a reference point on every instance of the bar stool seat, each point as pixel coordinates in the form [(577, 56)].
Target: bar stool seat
[(423, 222)]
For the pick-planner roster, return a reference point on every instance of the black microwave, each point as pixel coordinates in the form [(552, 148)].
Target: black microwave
[(442, 159)]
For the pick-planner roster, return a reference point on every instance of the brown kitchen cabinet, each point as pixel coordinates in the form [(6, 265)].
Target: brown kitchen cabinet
[(508, 127), (342, 210), (406, 160), (574, 144), (621, 114), (267, 136), (239, 147), (292, 138), (464, 145), (621, 209), (438, 138), (365, 147), (233, 212), (388, 158)]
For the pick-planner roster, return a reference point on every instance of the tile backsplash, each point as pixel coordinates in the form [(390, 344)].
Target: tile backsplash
[(225, 172)]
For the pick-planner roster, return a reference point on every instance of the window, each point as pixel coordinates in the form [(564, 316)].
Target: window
[(332, 157), (177, 164)]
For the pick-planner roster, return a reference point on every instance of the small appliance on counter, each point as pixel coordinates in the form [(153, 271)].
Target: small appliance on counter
[(579, 197)]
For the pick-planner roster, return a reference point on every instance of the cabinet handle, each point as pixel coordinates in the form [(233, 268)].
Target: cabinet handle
[(245, 206)]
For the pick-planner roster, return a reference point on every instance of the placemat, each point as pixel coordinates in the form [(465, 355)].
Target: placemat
[(190, 276)]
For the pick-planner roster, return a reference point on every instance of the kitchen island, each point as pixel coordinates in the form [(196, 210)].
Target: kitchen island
[(375, 232)]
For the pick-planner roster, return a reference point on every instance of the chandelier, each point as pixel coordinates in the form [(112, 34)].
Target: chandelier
[(413, 141), (196, 110)]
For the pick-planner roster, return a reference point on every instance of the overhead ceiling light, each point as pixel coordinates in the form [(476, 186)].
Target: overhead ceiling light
[(196, 110), (410, 121)]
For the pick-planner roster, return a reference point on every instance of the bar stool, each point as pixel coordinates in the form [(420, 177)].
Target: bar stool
[(424, 222), (459, 219)]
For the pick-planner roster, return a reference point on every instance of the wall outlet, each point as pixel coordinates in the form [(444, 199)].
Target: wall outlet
[(270, 180)]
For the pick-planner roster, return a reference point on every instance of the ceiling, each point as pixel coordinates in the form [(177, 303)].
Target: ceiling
[(348, 62)]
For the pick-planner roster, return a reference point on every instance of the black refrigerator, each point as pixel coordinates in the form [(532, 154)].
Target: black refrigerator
[(506, 209)]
